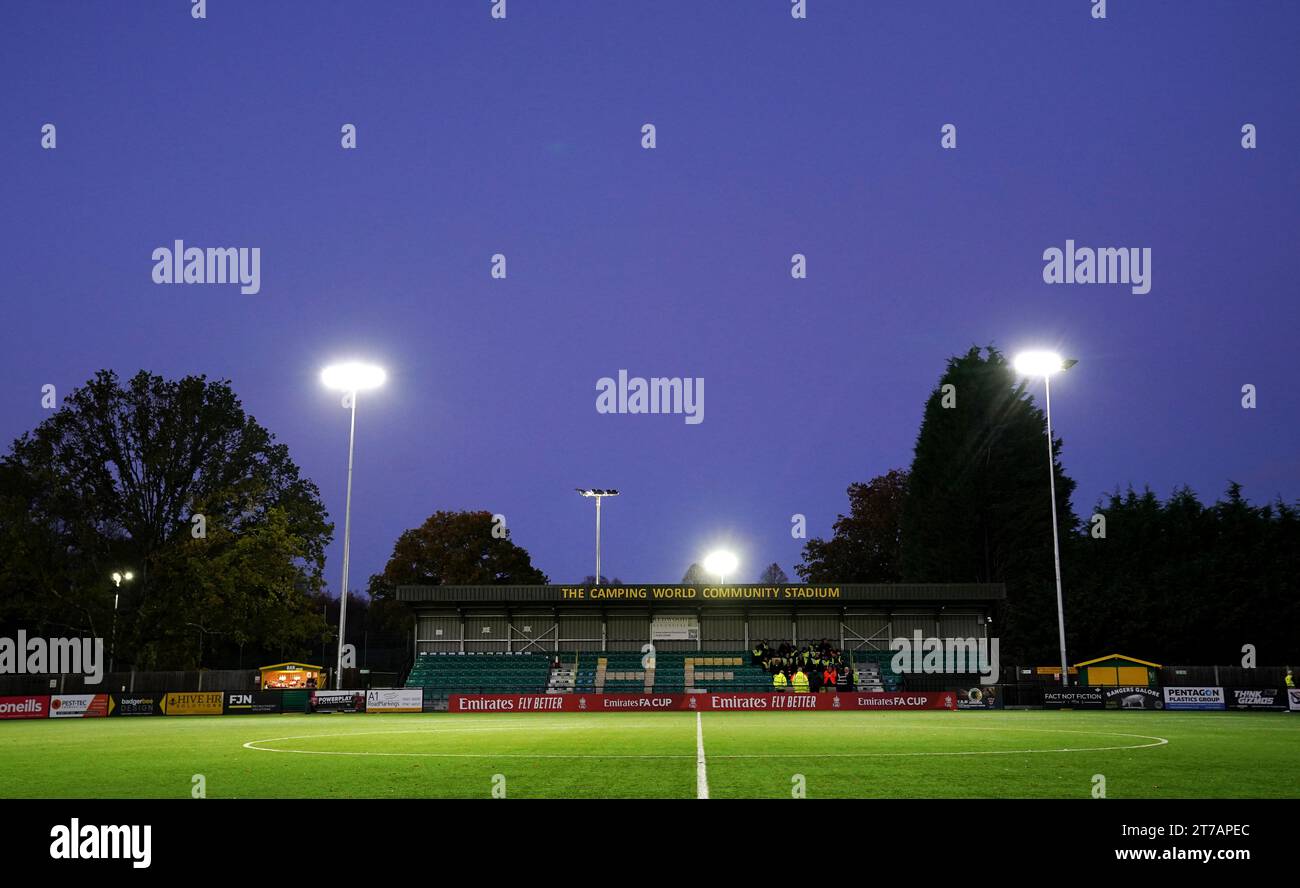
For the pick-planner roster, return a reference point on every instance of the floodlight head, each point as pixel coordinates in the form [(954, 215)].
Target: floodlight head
[(353, 376), (720, 562), (1041, 363), (128, 576), (117, 577)]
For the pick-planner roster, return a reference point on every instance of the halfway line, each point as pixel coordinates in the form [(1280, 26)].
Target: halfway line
[(701, 768)]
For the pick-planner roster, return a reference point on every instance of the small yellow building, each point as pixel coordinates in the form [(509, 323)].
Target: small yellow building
[(292, 676), (1114, 670)]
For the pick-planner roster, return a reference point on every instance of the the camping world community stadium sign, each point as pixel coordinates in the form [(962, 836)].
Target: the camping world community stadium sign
[(704, 594)]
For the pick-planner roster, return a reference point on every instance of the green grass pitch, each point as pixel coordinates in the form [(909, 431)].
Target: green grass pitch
[(608, 755)]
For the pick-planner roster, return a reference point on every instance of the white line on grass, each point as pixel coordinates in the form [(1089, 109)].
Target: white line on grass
[(702, 780), (701, 767)]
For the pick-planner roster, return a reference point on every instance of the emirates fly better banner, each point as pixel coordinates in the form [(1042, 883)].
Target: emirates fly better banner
[(848, 702)]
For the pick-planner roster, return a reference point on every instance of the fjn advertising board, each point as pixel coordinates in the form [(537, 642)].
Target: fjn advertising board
[(1194, 698), (844, 702), (252, 702), (79, 706)]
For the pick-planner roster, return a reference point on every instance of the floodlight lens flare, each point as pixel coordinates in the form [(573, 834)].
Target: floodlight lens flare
[(720, 563), (1038, 363), (353, 376)]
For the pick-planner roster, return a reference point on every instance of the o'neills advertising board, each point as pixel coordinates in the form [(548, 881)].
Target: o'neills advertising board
[(78, 705), (1134, 697), (24, 707), (200, 703), (338, 701), (847, 701), (1194, 698), (1256, 698), (135, 704), (251, 702), (1074, 698), (395, 700)]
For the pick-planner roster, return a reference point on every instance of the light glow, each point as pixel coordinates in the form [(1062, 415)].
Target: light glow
[(1038, 363), (720, 562), (353, 376)]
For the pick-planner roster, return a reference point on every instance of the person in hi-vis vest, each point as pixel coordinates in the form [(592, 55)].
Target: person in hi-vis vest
[(800, 682)]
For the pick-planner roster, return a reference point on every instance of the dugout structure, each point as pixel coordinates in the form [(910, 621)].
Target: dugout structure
[(553, 619)]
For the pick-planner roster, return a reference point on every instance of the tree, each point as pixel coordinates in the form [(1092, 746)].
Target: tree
[(1182, 583), (695, 575), (866, 546), (590, 580), (457, 549), (773, 575), (116, 479), (977, 506)]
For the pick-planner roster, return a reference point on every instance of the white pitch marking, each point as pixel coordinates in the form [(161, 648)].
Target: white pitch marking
[(701, 767), (702, 785)]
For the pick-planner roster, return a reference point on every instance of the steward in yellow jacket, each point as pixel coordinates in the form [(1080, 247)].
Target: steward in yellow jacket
[(800, 682), (778, 681)]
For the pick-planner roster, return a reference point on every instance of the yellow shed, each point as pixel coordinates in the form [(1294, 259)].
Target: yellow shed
[(1115, 670)]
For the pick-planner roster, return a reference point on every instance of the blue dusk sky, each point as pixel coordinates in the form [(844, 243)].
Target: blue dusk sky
[(775, 136)]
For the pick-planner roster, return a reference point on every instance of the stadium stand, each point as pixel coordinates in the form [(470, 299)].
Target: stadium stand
[(875, 672), (614, 672), (557, 639), (442, 674), (672, 672)]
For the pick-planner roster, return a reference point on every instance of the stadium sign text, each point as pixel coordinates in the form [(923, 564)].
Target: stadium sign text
[(694, 593), (43, 656)]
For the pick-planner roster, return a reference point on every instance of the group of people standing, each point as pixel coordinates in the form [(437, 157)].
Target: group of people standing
[(810, 669)]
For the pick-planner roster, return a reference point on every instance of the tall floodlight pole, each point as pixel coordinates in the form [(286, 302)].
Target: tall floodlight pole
[(350, 379), (599, 495), (118, 577), (1044, 364)]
